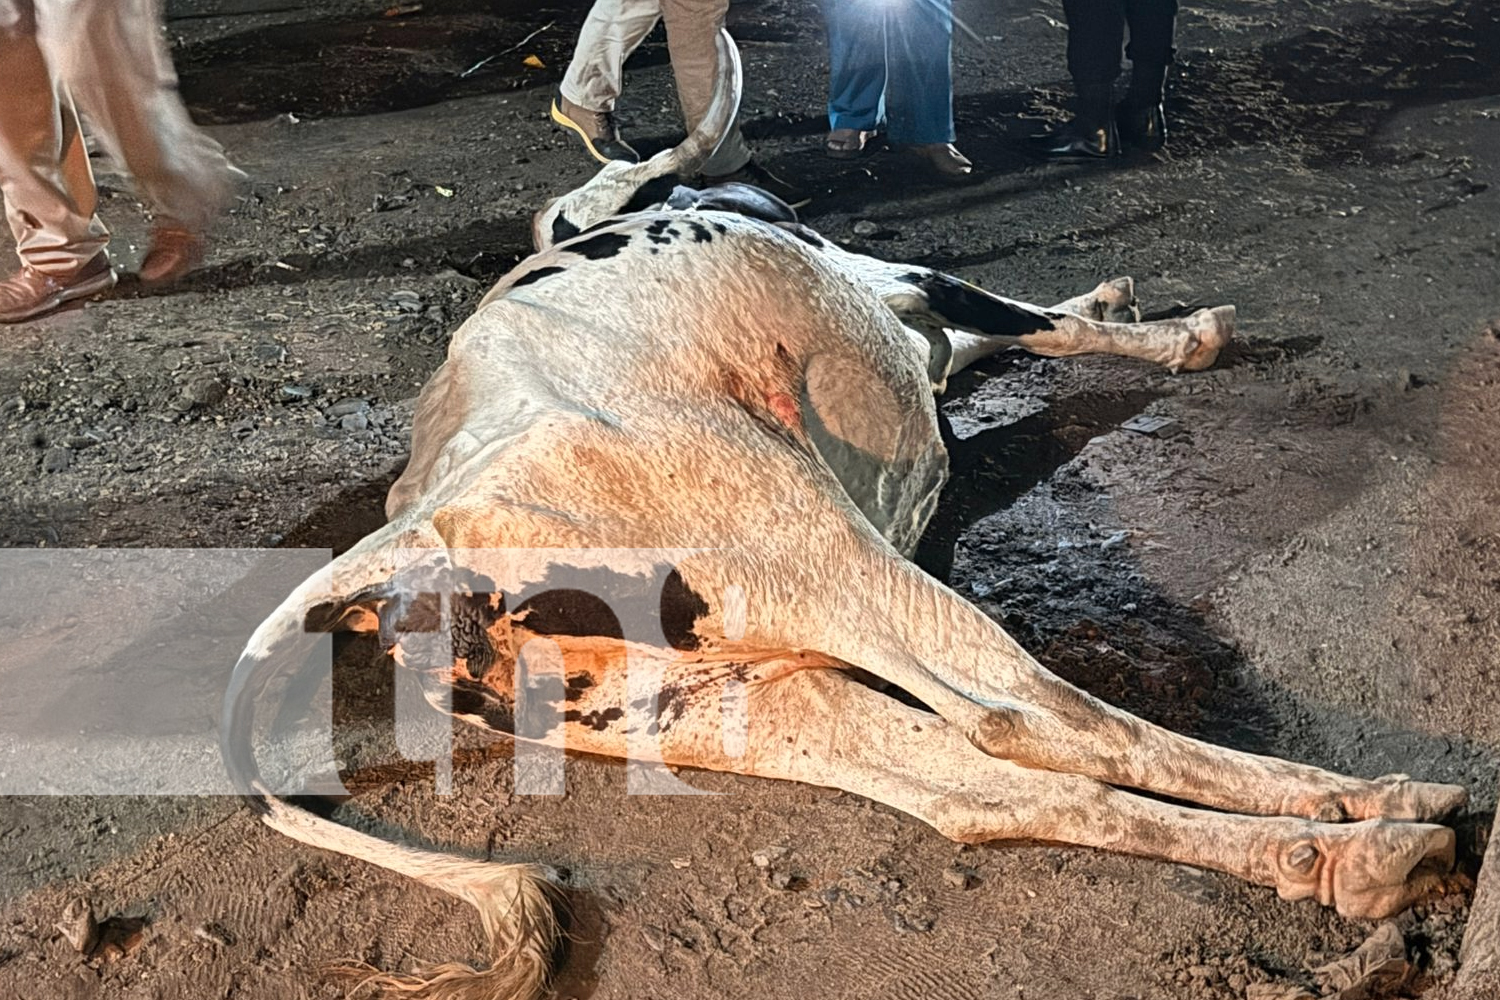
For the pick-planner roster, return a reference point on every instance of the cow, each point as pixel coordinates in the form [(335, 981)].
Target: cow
[(690, 396)]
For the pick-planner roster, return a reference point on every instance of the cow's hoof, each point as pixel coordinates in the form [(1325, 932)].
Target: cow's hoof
[(1116, 301), (1396, 796), (1369, 870), (1212, 330), (1393, 797)]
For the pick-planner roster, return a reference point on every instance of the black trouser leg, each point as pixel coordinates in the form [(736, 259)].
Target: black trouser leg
[(1096, 34), (1152, 26)]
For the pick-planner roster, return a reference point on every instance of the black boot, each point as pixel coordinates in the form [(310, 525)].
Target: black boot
[(1141, 119), (1091, 134)]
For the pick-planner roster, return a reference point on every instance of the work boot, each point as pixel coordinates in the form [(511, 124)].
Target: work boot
[(1141, 119), (30, 293), (597, 129), (1091, 134), (755, 175), (174, 252)]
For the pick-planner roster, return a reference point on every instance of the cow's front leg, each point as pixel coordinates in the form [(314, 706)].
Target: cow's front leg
[(831, 730)]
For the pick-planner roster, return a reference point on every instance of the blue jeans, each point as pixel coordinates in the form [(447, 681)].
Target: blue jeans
[(891, 62)]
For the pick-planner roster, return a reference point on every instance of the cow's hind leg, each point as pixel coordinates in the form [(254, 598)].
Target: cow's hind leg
[(1060, 727), (850, 737)]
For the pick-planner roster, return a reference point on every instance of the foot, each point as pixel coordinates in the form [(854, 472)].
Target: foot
[(1077, 141), (1112, 301), (943, 159), (1142, 126), (597, 129), (29, 293), (1368, 871), (174, 252), (755, 175), (846, 143)]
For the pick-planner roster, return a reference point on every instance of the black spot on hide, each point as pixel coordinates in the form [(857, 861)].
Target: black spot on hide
[(473, 699), (537, 275), (650, 194), (563, 230), (566, 611), (598, 721), (681, 607), (577, 685), (601, 246), (605, 604), (963, 305)]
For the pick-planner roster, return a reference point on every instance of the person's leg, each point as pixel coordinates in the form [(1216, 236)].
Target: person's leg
[(45, 179), (1096, 34), (856, 63), (692, 40), (613, 30), (919, 92), (1142, 120), (44, 167), (1153, 23), (113, 56)]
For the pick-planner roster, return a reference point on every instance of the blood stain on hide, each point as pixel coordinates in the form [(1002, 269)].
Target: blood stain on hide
[(785, 409)]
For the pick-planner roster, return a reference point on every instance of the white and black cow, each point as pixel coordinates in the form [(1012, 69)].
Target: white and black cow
[(734, 417)]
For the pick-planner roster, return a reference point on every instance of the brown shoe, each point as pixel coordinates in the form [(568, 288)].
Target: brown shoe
[(846, 143), (948, 163), (29, 293), (597, 129), (174, 252)]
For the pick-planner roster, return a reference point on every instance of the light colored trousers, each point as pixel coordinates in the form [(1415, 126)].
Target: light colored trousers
[(615, 28), (111, 57)]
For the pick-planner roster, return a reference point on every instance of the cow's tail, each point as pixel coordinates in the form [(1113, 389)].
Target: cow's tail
[(518, 904), (618, 183)]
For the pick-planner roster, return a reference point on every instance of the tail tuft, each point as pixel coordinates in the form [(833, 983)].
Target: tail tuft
[(518, 905)]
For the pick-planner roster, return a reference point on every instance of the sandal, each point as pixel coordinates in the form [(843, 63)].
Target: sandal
[(846, 143)]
